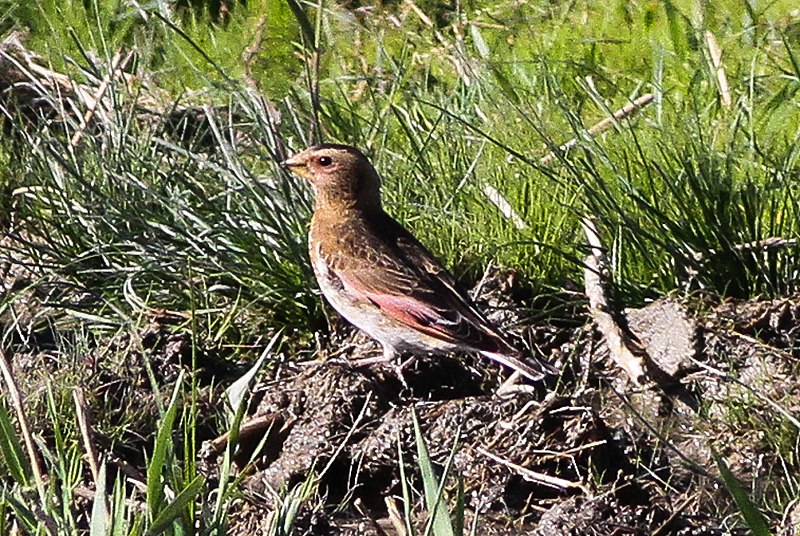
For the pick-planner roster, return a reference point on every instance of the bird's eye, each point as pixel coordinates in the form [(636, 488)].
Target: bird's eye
[(325, 160)]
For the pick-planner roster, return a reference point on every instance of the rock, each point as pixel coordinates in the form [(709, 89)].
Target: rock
[(668, 333)]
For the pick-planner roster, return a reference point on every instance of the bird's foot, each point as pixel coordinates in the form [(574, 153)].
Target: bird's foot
[(513, 386), (398, 371), (387, 361), (369, 361)]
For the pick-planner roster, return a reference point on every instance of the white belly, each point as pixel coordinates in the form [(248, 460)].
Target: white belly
[(393, 335)]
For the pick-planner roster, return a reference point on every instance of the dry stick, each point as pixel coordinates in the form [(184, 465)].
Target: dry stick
[(419, 13), (605, 124), (498, 200), (766, 244), (89, 494), (250, 55), (675, 513), (618, 343), (248, 429), (101, 90), (534, 476), (361, 509), (773, 242), (85, 426), (135, 478), (502, 204), (16, 401), (251, 51), (716, 62), (394, 516), (38, 474)]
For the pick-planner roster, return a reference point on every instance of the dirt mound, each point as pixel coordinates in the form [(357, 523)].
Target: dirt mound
[(584, 454)]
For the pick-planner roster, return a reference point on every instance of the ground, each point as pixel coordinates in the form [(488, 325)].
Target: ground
[(585, 452), (580, 454)]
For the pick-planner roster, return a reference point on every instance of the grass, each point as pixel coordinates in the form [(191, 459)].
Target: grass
[(692, 193)]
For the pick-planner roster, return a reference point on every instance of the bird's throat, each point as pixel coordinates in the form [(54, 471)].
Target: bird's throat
[(342, 204)]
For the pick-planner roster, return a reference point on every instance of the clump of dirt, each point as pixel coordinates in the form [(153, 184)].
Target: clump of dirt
[(585, 453)]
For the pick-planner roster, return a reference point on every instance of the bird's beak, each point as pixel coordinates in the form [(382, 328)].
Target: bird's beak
[(296, 164), (293, 161)]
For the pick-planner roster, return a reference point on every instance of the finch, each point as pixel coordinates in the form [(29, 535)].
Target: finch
[(383, 280)]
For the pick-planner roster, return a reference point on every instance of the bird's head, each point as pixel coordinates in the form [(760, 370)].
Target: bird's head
[(340, 174)]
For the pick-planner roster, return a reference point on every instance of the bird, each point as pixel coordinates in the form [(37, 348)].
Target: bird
[(380, 278)]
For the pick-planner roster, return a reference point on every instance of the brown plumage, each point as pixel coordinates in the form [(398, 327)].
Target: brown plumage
[(379, 277)]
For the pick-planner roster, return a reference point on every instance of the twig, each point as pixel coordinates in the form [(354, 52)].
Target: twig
[(504, 206), (675, 513), (376, 526), (690, 271), (251, 52), (716, 63), (618, 343), (774, 242), (774, 405), (535, 476), (85, 426), (16, 402), (605, 124), (135, 478), (250, 428), (394, 516), (419, 13), (89, 494), (101, 90)]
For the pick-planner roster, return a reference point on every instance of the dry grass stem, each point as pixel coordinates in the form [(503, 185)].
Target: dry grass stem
[(535, 476), (618, 343), (98, 96), (16, 402), (716, 63), (394, 516), (85, 427), (605, 124), (421, 14), (498, 200), (256, 426), (765, 244)]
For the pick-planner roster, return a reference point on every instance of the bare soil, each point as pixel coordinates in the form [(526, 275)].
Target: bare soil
[(585, 453)]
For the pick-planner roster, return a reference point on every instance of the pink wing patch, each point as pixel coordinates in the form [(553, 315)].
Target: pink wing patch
[(405, 309), (413, 313)]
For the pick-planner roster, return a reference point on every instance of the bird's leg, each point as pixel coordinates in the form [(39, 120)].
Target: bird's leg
[(368, 361), (386, 358), (390, 356)]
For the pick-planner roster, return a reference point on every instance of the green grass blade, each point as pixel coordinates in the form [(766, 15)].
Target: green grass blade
[(303, 21), (404, 487), (750, 513), (13, 455), (440, 522), (25, 517), (461, 507), (100, 521), (175, 508), (161, 450)]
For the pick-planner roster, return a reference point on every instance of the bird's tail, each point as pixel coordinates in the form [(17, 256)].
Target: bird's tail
[(532, 368)]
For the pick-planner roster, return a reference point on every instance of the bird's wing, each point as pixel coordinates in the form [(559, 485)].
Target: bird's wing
[(400, 276)]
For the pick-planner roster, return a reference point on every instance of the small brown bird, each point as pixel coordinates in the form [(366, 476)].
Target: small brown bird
[(379, 277)]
